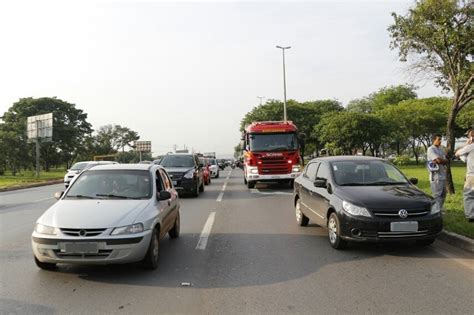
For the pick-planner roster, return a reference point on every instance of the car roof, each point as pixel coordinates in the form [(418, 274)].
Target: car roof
[(342, 158), (140, 167), (181, 154)]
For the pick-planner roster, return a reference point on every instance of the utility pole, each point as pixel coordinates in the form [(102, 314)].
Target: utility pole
[(284, 81), (261, 98)]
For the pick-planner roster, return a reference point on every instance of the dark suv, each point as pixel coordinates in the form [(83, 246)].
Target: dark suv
[(185, 171)]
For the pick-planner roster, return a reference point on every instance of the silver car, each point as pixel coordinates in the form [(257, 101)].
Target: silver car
[(110, 214), (78, 167)]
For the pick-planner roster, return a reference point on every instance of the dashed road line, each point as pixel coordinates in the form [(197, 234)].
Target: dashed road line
[(219, 198), (206, 231)]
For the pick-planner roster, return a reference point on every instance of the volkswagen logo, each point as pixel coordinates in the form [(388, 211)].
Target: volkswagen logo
[(403, 214), (82, 233)]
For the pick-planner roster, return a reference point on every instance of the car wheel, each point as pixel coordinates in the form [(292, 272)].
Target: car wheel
[(201, 188), (334, 232), (45, 265), (174, 232), (427, 242), (217, 176), (301, 219), (196, 191), (250, 184), (245, 180), (151, 258)]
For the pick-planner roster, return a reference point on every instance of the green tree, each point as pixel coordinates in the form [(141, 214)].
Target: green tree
[(384, 97), (350, 131), (438, 37), (70, 126), (111, 138)]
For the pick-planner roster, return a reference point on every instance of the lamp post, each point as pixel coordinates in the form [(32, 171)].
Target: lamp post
[(284, 80), (261, 98)]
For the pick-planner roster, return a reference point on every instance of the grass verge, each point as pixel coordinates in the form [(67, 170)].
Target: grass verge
[(29, 177)]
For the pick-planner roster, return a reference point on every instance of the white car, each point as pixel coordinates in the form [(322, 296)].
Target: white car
[(109, 214), (78, 167), (214, 168)]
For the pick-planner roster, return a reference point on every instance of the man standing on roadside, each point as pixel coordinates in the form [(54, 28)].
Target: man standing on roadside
[(466, 153), (437, 166)]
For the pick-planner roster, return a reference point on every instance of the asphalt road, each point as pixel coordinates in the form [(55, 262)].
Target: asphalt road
[(255, 260)]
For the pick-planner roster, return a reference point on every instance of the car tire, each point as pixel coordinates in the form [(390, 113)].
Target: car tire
[(196, 191), (245, 180), (217, 176), (250, 184), (334, 232), (45, 265), (174, 232), (201, 188), (427, 242), (152, 255), (301, 219)]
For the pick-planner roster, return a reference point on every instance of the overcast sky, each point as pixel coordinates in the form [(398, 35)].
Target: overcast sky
[(187, 72)]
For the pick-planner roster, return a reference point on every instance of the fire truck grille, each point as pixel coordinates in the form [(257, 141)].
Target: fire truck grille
[(275, 165)]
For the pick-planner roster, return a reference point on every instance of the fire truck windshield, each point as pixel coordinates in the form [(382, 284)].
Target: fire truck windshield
[(273, 142)]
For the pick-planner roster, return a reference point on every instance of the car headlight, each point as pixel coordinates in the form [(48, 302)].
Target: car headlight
[(296, 169), (189, 174), (435, 208), (44, 229), (355, 210), (129, 229)]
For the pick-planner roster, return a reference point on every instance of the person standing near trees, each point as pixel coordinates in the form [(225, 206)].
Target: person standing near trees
[(466, 153), (437, 166)]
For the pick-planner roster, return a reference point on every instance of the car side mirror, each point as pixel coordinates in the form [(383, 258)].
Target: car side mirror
[(320, 183), (163, 195), (58, 195), (414, 180)]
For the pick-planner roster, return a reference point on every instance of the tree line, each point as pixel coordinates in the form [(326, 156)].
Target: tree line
[(73, 137)]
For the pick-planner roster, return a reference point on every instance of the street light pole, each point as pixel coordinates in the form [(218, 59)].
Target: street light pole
[(261, 98), (284, 81)]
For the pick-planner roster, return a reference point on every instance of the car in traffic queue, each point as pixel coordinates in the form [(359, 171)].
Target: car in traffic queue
[(185, 171), (214, 168), (364, 199), (205, 169), (111, 214), (81, 166)]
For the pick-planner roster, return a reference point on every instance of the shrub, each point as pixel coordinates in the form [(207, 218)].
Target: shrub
[(402, 160)]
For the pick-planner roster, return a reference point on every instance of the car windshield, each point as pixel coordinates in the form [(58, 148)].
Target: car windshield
[(213, 162), (273, 142), (111, 184), (366, 173), (79, 166), (177, 161)]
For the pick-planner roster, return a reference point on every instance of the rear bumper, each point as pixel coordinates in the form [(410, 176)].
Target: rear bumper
[(112, 250), (187, 185), (378, 229)]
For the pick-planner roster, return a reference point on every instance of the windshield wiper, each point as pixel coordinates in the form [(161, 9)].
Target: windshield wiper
[(113, 196), (382, 183), (353, 184), (79, 196)]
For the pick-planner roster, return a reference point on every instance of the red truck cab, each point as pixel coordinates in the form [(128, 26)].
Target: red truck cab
[(271, 152)]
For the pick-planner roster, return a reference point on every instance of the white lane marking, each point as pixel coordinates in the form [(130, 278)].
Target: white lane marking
[(224, 186), (221, 195), (228, 175), (206, 231), (219, 198), (44, 199), (256, 191)]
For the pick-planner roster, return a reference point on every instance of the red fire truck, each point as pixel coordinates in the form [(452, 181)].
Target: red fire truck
[(271, 152)]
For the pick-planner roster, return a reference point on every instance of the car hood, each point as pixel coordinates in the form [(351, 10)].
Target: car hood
[(178, 169), (385, 197), (103, 213)]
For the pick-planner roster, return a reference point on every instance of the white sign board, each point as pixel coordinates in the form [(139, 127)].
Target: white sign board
[(143, 146), (40, 127)]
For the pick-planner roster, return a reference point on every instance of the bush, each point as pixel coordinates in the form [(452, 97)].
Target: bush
[(402, 160)]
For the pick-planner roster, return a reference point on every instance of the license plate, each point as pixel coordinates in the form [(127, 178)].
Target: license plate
[(275, 177), (409, 226), (81, 248), (175, 183)]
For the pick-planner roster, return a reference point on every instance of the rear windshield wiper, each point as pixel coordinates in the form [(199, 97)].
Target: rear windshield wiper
[(79, 196)]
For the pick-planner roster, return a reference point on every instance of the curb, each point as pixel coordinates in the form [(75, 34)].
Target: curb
[(457, 240), (51, 182)]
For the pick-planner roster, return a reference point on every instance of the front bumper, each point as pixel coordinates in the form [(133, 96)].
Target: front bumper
[(111, 250), (270, 178), (377, 229)]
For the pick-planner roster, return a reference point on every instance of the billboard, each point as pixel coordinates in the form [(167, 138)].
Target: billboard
[(40, 127), (143, 146)]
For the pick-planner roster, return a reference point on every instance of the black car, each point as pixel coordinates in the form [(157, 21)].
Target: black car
[(364, 199), (185, 171)]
